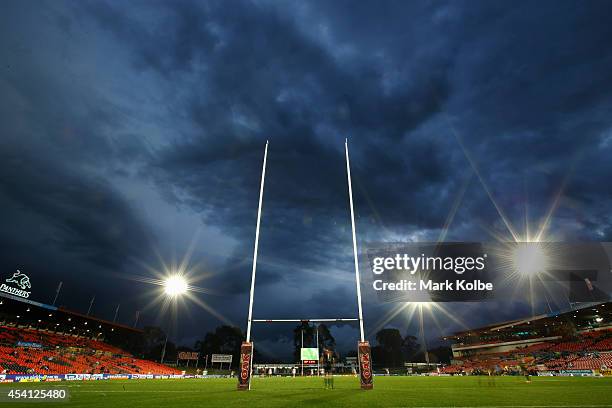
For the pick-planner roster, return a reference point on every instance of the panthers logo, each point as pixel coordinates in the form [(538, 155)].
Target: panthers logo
[(20, 279)]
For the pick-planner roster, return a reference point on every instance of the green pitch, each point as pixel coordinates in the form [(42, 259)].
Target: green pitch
[(285, 392)]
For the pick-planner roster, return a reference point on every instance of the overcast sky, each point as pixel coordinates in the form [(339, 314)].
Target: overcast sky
[(132, 131)]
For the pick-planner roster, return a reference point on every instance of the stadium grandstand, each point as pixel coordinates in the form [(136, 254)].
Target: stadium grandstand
[(577, 341), (40, 339)]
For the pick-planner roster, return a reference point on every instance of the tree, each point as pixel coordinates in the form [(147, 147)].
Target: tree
[(391, 346), (224, 340), (326, 340), (441, 354), (305, 330), (410, 347), (153, 340)]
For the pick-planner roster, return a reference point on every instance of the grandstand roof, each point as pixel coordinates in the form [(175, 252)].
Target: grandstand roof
[(27, 312), (585, 316)]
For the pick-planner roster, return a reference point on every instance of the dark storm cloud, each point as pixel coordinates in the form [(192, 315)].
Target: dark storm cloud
[(246, 83), (63, 220), (61, 225), (177, 99), (536, 116), (90, 218)]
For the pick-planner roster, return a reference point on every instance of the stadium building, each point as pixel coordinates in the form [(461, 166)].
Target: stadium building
[(577, 341), (43, 342)]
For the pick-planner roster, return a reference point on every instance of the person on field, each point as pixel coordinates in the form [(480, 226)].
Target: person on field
[(525, 371), (328, 377)]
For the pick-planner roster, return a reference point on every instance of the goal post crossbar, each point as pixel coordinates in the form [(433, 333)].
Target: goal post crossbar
[(304, 320)]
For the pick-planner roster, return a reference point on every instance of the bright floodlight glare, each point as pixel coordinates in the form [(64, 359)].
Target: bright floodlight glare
[(529, 258), (175, 285), (425, 305)]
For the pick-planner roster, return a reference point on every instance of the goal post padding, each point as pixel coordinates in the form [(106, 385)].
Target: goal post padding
[(365, 365), (246, 361)]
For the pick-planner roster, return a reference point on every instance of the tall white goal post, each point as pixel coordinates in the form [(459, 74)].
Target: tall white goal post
[(363, 347)]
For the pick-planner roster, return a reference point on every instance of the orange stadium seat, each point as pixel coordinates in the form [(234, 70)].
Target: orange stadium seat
[(56, 353), (591, 350)]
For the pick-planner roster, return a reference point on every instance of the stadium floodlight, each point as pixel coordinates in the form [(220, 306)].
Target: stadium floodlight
[(529, 258), (175, 285), (425, 305)]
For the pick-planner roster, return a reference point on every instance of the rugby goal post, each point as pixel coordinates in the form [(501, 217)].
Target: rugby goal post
[(363, 346)]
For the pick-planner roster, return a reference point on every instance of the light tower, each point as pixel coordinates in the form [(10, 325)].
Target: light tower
[(174, 286)]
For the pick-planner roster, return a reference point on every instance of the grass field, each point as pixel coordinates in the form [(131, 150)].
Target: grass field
[(287, 392)]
